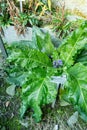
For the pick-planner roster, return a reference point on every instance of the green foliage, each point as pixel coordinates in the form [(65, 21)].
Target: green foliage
[(76, 88), (32, 69), (31, 15), (38, 91), (26, 19), (60, 23), (34, 77), (72, 50), (4, 21), (45, 44), (72, 44), (4, 16)]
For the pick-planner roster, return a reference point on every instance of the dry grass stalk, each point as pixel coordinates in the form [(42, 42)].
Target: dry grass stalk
[(14, 14)]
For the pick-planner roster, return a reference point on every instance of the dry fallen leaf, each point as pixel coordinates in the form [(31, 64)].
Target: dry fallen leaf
[(7, 103)]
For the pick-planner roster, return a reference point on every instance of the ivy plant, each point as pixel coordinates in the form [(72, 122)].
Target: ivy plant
[(33, 64)]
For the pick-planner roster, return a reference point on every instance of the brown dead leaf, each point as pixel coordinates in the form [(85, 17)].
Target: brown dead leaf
[(7, 103)]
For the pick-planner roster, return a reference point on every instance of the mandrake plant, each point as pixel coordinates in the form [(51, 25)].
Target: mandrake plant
[(32, 65)]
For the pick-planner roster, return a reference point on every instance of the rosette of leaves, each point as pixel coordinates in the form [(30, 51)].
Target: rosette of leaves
[(32, 68)]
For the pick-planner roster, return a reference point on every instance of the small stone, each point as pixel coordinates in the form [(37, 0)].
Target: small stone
[(56, 127), (11, 90), (72, 120)]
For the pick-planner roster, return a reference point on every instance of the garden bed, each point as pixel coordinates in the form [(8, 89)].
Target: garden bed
[(53, 118), (43, 78)]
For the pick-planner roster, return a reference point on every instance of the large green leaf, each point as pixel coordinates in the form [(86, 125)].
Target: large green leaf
[(23, 60), (72, 44), (36, 31), (45, 44), (29, 58), (32, 70), (38, 91), (76, 88)]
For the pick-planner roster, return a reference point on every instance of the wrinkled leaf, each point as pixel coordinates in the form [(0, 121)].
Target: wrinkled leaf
[(76, 89), (23, 61), (72, 44), (29, 58), (38, 91), (32, 70)]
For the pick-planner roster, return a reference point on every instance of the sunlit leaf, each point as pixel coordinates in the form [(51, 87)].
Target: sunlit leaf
[(38, 91), (72, 44), (76, 89)]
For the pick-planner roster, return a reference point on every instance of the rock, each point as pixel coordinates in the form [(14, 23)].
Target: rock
[(11, 90), (56, 127), (72, 120), (10, 35)]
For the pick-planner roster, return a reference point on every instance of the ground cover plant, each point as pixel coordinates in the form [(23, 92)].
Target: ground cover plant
[(33, 64)]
